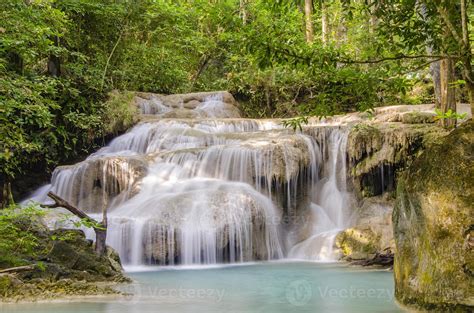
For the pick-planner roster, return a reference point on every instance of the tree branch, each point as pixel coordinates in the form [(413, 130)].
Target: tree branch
[(17, 269), (447, 21), (398, 57), (381, 60), (61, 203), (100, 229)]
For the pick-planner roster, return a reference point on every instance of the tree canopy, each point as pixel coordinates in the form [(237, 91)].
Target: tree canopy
[(59, 60)]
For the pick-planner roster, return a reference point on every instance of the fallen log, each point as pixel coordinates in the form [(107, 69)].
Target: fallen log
[(17, 269), (100, 228), (380, 259)]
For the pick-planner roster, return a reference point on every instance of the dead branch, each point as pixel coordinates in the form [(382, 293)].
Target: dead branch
[(61, 203), (385, 260), (100, 229), (17, 269)]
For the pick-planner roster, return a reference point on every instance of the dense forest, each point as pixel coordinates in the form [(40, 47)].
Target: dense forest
[(60, 59)]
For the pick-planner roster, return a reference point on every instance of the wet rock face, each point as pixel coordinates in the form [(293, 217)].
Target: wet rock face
[(191, 227), (372, 232), (378, 150), (95, 184), (433, 221)]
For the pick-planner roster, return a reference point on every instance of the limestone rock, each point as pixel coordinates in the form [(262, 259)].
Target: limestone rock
[(357, 243), (433, 221), (65, 265), (377, 150), (94, 183), (218, 104), (372, 232), (417, 117)]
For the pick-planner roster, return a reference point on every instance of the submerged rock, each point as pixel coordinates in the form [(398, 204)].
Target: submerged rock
[(433, 226)]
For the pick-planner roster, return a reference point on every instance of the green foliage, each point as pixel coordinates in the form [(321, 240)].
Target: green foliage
[(296, 123), (448, 115), (273, 71), (120, 112), (88, 224), (169, 46), (18, 238)]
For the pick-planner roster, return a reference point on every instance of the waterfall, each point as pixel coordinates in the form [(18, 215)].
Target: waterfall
[(330, 209), (210, 187)]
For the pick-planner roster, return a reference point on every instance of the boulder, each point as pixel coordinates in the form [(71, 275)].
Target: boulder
[(96, 182), (63, 264), (433, 226), (378, 150), (372, 232), (418, 117)]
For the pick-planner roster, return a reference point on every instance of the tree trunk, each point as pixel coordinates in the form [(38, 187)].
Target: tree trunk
[(470, 90), (308, 17), (15, 62), (448, 95), (435, 74), (100, 239), (6, 196), (434, 67), (468, 74), (342, 27), (373, 18), (54, 64), (324, 22), (101, 234), (243, 11)]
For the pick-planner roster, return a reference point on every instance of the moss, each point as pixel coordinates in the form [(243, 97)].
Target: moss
[(382, 148), (20, 291), (357, 243), (432, 213), (66, 263), (418, 117), (5, 284)]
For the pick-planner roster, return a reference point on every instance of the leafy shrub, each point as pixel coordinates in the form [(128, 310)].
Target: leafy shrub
[(19, 240), (119, 112)]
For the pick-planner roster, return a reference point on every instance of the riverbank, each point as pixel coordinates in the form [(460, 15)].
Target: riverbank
[(38, 263)]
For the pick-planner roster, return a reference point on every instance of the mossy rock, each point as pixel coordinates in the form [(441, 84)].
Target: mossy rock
[(66, 264), (378, 150), (357, 243), (418, 117), (433, 220)]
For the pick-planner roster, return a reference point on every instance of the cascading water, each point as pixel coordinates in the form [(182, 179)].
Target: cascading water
[(331, 203), (196, 190)]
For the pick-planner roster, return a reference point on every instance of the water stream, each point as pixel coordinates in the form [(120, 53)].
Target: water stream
[(214, 189)]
